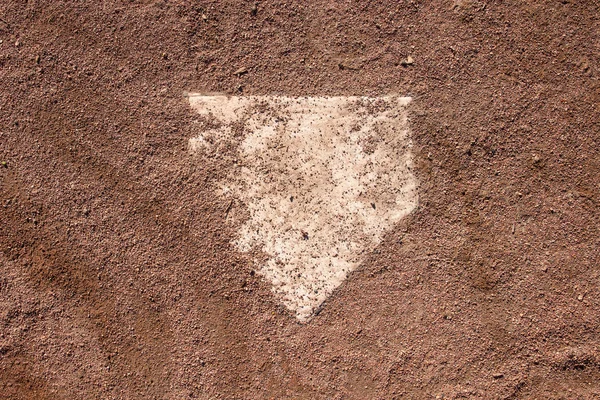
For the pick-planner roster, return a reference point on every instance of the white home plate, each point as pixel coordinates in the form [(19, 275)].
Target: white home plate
[(322, 178)]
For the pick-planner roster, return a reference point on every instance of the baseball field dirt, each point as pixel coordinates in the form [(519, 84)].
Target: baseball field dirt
[(127, 271)]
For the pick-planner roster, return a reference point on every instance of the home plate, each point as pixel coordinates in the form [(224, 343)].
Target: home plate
[(320, 180)]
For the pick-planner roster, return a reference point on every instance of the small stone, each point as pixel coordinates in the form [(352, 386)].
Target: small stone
[(204, 17), (4, 164), (585, 66), (409, 61), (498, 375), (241, 71), (254, 9), (580, 297)]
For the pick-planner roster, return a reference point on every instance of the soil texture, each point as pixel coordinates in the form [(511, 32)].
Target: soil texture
[(118, 276)]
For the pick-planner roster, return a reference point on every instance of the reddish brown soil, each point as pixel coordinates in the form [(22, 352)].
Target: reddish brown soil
[(117, 277)]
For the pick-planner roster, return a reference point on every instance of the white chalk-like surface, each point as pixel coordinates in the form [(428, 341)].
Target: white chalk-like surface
[(323, 179)]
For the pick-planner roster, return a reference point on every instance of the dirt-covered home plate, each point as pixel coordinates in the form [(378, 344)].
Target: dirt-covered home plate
[(321, 181)]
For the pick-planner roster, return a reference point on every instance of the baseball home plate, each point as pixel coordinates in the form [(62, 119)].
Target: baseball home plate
[(320, 180)]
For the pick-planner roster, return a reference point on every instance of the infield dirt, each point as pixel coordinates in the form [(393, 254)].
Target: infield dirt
[(118, 277)]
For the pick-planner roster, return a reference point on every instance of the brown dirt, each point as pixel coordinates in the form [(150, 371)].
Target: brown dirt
[(117, 277)]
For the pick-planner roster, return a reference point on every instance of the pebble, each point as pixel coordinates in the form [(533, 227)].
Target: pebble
[(409, 61), (580, 297), (241, 71)]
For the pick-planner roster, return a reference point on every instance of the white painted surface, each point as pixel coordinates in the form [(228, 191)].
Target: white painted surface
[(323, 179)]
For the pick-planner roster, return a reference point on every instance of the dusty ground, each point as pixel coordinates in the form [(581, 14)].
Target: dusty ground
[(118, 279)]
